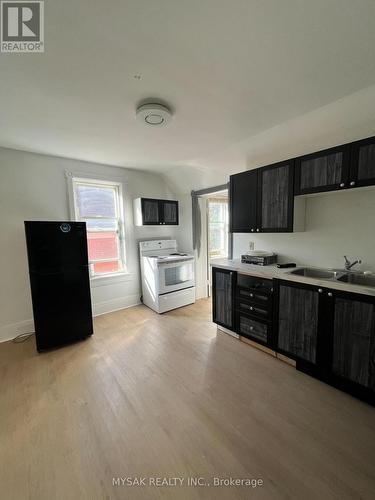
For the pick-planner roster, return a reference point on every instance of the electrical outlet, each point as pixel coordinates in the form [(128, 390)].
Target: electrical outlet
[(251, 245)]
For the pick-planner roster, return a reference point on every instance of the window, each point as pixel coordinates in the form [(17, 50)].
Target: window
[(99, 204), (217, 227)]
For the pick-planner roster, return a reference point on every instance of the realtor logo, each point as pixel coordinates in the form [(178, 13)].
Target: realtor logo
[(22, 26)]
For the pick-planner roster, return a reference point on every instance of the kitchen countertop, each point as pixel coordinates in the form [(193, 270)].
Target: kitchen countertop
[(272, 271)]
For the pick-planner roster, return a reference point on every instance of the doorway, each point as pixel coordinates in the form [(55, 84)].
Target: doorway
[(212, 237), (217, 230)]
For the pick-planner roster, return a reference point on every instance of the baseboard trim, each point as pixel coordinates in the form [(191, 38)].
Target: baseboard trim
[(8, 332), (228, 332), (113, 305)]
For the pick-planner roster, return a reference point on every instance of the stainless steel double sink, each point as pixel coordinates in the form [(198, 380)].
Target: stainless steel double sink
[(352, 277)]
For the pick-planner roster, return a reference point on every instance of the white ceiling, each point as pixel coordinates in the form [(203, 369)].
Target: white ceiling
[(231, 69)]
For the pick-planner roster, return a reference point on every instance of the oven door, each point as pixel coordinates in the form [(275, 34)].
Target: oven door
[(176, 275)]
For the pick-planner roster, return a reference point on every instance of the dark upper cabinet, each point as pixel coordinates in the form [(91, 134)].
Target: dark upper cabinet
[(243, 202), (223, 286), (262, 200), (151, 212), (353, 354), (169, 212), (276, 198), (298, 320), (362, 167), (322, 171)]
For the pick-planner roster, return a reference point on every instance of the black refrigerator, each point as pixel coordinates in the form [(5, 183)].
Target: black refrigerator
[(60, 284)]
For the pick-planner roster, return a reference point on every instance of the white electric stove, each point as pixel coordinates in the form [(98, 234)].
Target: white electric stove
[(168, 276)]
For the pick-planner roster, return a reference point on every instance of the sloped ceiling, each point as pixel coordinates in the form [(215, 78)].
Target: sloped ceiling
[(244, 78)]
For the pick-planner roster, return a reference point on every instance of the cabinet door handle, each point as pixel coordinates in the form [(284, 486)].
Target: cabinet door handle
[(330, 294), (251, 295), (352, 183), (251, 328), (251, 308), (342, 185), (252, 229), (257, 230), (320, 290)]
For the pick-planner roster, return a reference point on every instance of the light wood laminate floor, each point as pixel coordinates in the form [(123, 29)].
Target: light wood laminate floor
[(166, 395)]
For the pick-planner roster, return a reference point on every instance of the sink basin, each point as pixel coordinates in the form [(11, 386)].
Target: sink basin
[(314, 272), (358, 279)]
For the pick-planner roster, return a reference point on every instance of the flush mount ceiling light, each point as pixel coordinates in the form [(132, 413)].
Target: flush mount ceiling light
[(153, 114)]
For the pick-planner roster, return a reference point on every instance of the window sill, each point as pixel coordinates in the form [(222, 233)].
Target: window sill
[(110, 279)]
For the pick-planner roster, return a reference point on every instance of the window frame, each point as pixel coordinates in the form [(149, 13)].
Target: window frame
[(76, 180), (222, 201)]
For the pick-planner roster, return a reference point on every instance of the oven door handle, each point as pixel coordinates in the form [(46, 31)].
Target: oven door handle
[(171, 263)]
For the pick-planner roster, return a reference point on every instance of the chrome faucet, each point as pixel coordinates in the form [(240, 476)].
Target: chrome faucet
[(349, 265)]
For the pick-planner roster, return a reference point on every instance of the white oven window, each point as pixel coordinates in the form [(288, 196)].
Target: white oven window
[(178, 274)]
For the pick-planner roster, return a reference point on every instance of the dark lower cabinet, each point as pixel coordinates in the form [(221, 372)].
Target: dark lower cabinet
[(298, 321), (330, 334), (254, 309), (223, 286), (353, 353)]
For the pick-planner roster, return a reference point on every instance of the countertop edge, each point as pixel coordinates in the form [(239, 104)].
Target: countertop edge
[(272, 272)]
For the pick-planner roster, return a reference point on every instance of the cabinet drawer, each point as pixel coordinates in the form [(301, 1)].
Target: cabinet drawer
[(255, 284), (254, 310), (258, 297), (253, 329)]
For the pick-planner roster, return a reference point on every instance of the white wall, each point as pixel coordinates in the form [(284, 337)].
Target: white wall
[(34, 187), (337, 224)]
